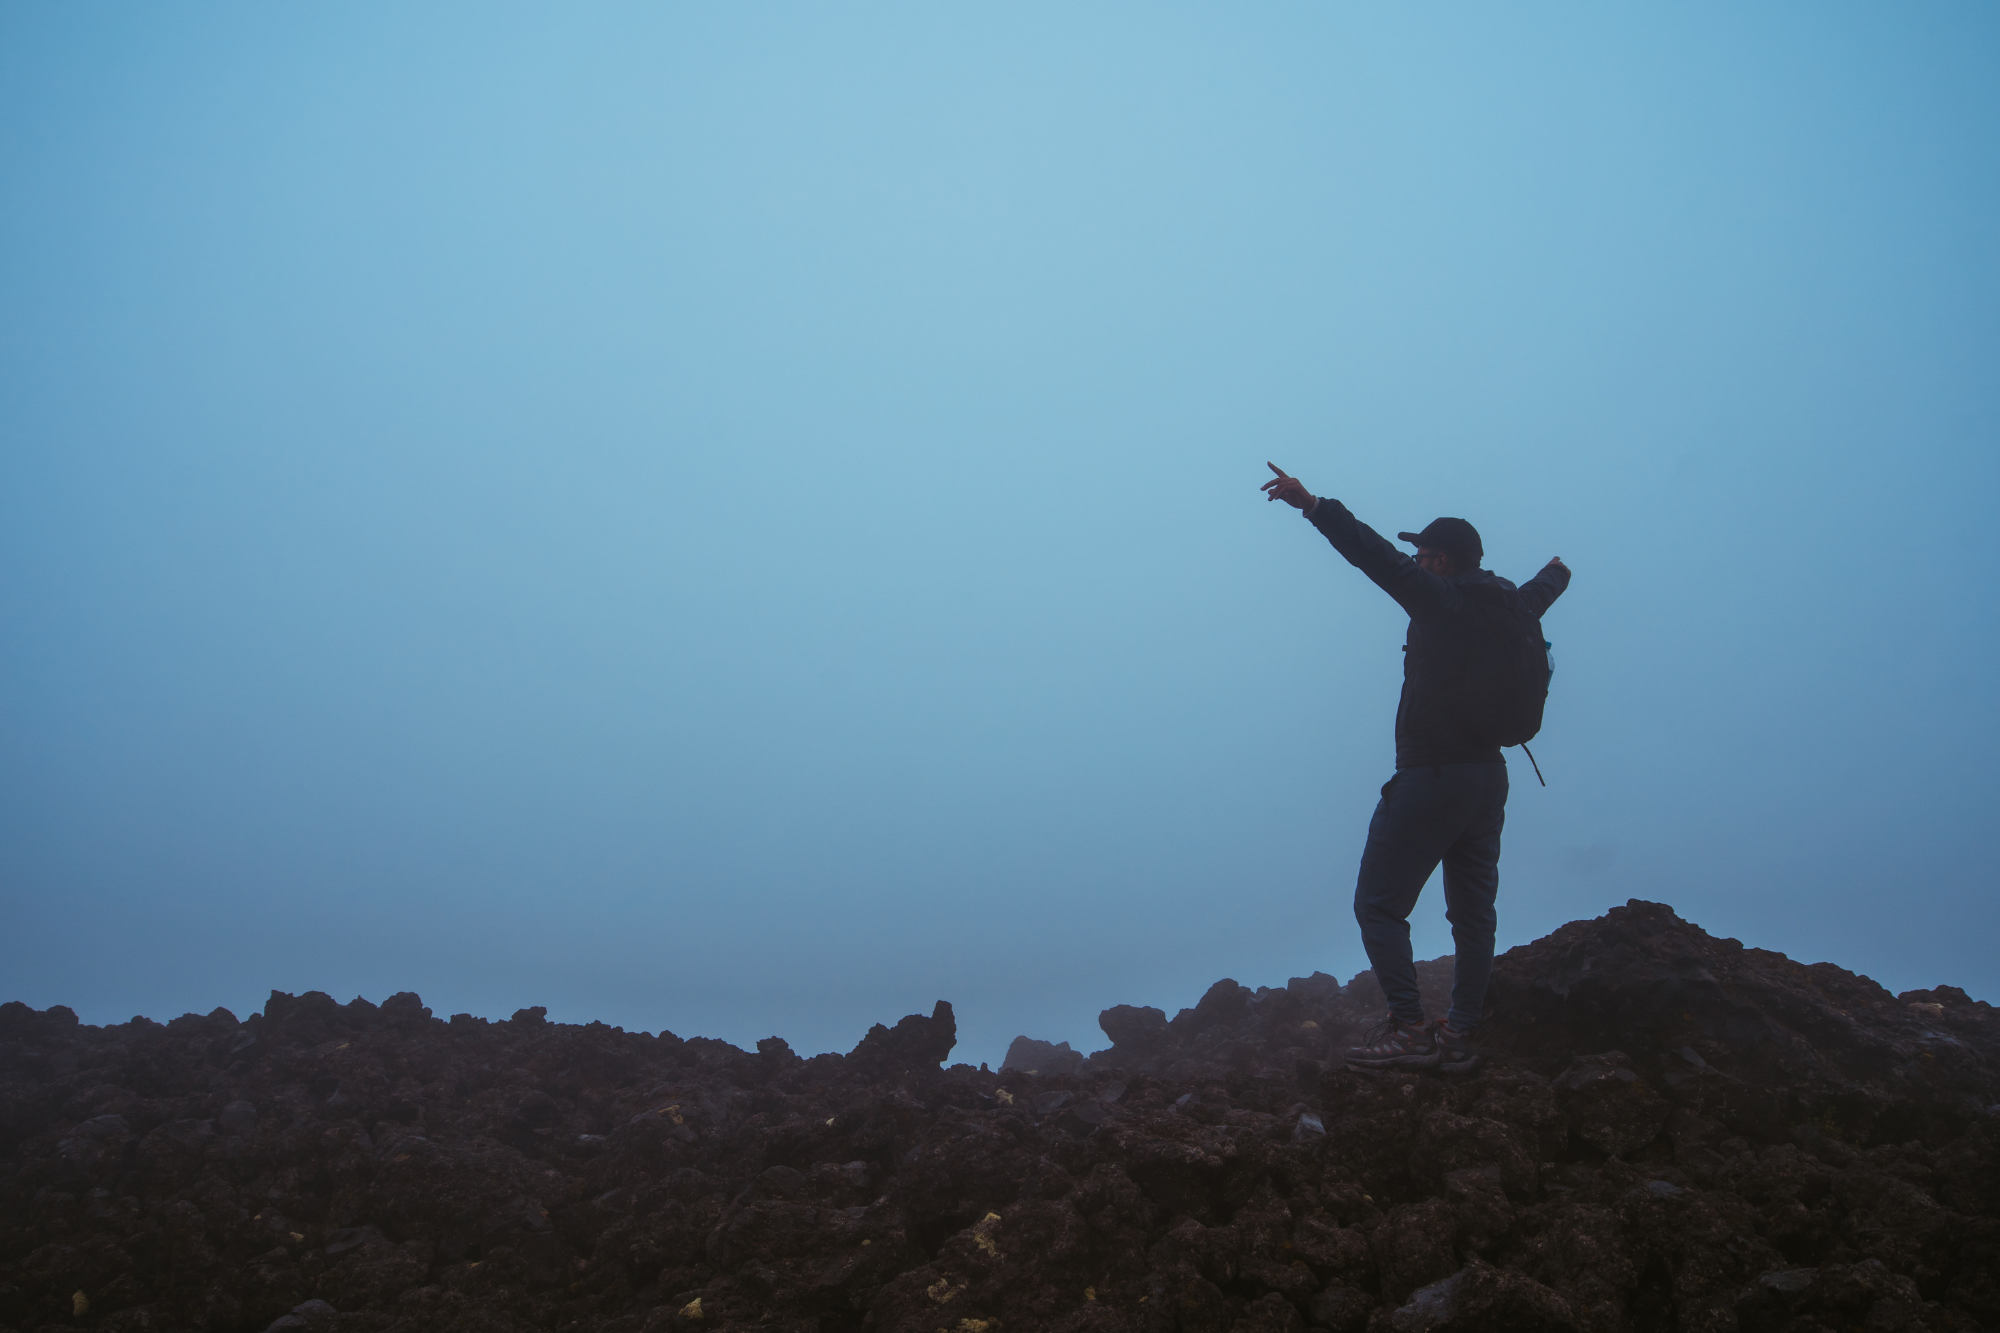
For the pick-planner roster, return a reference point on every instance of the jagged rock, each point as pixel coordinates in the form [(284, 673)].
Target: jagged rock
[(308, 1315), (1670, 1130), (1479, 1299), (1225, 1002), (238, 1119), (1318, 986), (1136, 1029), (406, 1006), (1414, 1247), (1041, 1057), (1270, 1313), (1609, 1105), (915, 1043)]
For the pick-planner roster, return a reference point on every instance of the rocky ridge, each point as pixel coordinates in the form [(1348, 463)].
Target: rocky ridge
[(1671, 1131)]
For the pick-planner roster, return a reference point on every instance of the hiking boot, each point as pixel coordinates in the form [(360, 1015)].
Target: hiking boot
[(1394, 1044), (1456, 1053)]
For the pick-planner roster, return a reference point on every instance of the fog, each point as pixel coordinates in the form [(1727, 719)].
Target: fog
[(744, 519)]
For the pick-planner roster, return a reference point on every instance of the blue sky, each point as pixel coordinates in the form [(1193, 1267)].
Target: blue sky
[(743, 519)]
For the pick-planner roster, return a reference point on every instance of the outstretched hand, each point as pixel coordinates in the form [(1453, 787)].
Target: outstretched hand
[(1287, 488)]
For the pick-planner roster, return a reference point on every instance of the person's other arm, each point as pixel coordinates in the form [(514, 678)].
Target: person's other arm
[(1541, 590), (1366, 549)]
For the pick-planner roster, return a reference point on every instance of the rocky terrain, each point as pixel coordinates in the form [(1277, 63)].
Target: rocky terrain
[(1671, 1131)]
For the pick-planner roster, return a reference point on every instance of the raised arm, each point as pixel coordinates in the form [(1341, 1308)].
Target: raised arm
[(1541, 590), (1366, 549)]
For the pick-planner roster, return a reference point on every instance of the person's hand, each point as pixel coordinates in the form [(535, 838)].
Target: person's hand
[(1556, 562), (1287, 488)]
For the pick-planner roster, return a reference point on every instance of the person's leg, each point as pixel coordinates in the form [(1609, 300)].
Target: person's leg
[(1471, 883), (1412, 828)]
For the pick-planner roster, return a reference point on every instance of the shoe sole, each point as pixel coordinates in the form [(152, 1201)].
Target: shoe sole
[(1465, 1066), (1395, 1062)]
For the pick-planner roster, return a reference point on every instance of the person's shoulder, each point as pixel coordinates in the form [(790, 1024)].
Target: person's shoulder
[(1483, 584)]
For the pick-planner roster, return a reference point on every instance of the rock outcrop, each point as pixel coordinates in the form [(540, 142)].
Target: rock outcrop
[(1671, 1131)]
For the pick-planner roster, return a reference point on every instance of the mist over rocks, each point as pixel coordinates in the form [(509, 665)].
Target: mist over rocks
[(1671, 1131)]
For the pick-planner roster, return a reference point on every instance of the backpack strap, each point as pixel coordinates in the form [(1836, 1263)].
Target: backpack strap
[(1532, 764)]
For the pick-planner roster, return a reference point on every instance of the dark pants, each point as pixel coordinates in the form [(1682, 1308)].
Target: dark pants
[(1450, 813)]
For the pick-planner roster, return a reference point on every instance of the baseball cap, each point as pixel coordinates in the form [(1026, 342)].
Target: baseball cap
[(1452, 535)]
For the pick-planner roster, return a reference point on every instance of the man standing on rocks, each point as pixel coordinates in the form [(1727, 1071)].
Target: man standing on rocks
[(1448, 797)]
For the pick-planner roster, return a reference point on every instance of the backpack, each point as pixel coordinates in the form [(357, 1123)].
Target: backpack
[(1507, 669)]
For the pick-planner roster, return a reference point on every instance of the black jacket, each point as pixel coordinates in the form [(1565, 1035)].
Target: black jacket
[(1429, 729)]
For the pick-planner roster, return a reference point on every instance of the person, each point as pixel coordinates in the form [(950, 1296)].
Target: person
[(1448, 797)]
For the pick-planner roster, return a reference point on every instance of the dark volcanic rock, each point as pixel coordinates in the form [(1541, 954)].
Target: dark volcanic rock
[(1039, 1057), (1671, 1132), (1134, 1028), (915, 1042)]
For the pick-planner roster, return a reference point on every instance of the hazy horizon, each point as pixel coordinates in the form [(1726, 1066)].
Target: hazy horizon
[(745, 520)]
